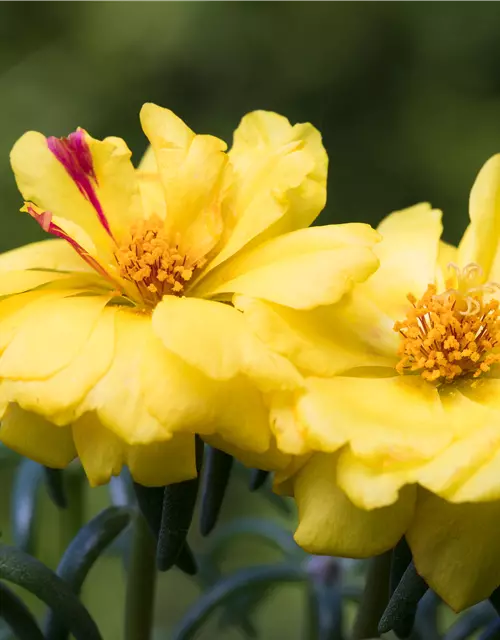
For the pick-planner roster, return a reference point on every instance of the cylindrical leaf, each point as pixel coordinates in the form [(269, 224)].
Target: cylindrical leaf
[(231, 587), (23, 507), (17, 616), (80, 556), (186, 561), (178, 507), (150, 501), (28, 572), (257, 479), (217, 470), (177, 514), (237, 611), (401, 558), (55, 487), (399, 615)]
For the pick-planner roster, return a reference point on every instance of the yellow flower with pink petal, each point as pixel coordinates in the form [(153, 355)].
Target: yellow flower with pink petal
[(118, 339), (398, 429)]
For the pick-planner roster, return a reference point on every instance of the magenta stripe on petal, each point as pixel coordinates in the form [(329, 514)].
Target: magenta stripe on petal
[(74, 154), (44, 219)]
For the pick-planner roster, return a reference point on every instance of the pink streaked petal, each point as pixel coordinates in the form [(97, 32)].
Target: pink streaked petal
[(44, 219), (74, 154)]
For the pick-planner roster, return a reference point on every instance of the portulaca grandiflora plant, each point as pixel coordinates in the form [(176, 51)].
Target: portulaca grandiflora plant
[(184, 320)]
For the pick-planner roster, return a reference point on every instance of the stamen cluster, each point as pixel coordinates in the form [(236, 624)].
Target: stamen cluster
[(448, 336), (153, 263)]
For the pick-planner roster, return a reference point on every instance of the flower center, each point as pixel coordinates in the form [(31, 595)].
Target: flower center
[(153, 264), (454, 334)]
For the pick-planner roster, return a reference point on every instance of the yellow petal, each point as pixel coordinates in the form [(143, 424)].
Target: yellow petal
[(332, 525), (215, 338), (59, 397), (182, 398), (49, 340), (15, 309), (483, 485), (481, 239), (118, 397), (34, 437), (465, 462), (302, 269), (148, 161), (42, 179), (153, 196), (485, 393), (371, 486), (12, 282), (52, 255), (271, 459), (393, 418), (284, 478), (161, 463), (408, 255), (288, 429), (193, 195), (454, 547), (165, 131), (447, 253), (279, 175), (191, 169), (40, 263), (321, 341), (103, 454), (117, 187)]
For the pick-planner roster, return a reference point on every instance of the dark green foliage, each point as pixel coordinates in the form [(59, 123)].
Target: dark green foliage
[(82, 553), (17, 616), (27, 480), (401, 558), (401, 610), (177, 513), (217, 471), (150, 502), (231, 587), (54, 479), (257, 479), (18, 567)]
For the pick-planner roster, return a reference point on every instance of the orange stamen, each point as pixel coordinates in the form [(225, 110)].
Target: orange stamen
[(153, 264), (449, 336)]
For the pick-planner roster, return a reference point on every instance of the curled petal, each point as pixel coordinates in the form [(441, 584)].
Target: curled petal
[(302, 269), (450, 544), (329, 523), (31, 435), (103, 454), (279, 179)]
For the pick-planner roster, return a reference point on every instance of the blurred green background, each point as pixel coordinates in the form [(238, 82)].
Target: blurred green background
[(407, 96)]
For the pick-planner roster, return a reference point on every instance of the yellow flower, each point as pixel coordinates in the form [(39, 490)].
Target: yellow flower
[(118, 340), (398, 430)]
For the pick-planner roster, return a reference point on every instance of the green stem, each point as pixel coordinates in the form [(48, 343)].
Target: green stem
[(375, 598), (141, 583), (73, 516)]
